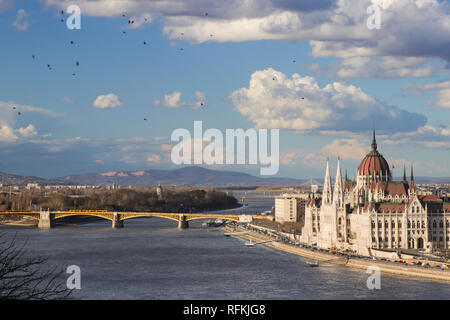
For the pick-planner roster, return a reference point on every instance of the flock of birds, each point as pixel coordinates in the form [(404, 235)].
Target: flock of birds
[(77, 63)]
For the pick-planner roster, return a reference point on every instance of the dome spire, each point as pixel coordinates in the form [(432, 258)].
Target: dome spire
[(374, 142)]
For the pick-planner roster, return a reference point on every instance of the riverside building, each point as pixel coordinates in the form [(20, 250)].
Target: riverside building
[(375, 212)]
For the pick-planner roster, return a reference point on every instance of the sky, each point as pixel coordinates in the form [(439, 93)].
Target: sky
[(108, 96)]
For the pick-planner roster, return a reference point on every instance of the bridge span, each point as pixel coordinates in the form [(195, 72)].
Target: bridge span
[(46, 218)]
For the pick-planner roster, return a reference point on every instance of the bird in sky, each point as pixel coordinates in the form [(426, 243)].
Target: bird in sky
[(206, 13), (62, 11), (77, 64), (14, 108), (19, 113), (33, 56), (145, 119), (145, 43), (71, 42)]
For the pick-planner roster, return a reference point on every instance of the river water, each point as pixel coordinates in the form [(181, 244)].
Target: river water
[(152, 259)]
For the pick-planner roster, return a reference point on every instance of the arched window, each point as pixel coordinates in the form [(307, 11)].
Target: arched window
[(379, 224), (413, 224), (409, 224), (340, 221), (393, 223), (434, 225), (441, 224), (386, 225)]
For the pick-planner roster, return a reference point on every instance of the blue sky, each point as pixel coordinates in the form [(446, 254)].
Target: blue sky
[(353, 79)]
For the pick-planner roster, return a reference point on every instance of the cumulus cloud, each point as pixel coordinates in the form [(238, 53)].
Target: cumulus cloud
[(333, 27), (427, 136), (107, 101), (28, 131), (379, 67), (273, 100), (347, 149), (173, 100), (20, 23)]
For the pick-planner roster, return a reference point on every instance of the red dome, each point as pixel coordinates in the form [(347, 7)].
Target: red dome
[(374, 162)]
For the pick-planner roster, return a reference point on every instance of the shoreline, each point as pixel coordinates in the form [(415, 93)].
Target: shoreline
[(410, 272)]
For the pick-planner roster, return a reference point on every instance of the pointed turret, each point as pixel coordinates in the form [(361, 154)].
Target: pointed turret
[(373, 146), (327, 194), (404, 174), (338, 196), (412, 186)]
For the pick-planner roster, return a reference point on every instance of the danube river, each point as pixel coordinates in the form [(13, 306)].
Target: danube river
[(151, 259)]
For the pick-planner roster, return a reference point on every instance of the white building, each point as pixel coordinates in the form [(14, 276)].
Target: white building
[(290, 207)]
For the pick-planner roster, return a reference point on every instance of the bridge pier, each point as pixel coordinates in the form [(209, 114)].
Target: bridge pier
[(116, 222), (45, 220), (182, 222)]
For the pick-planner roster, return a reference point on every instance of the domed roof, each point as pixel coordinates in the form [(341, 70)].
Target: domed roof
[(374, 162)]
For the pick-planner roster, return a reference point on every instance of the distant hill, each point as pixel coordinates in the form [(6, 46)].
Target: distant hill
[(185, 176), (16, 180)]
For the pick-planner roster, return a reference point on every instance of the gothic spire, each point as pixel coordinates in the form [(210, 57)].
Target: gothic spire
[(327, 195), (374, 142), (404, 173)]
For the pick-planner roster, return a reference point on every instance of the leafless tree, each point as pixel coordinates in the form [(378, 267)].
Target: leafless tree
[(27, 278)]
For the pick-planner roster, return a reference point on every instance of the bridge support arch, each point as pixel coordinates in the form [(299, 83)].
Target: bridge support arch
[(45, 220), (182, 222), (116, 222)]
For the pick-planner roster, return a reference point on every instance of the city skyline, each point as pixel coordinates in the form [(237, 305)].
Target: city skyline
[(108, 96)]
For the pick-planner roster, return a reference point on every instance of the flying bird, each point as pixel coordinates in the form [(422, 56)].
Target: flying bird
[(62, 11), (206, 13), (14, 108), (32, 56), (77, 64), (19, 113), (71, 42), (145, 43)]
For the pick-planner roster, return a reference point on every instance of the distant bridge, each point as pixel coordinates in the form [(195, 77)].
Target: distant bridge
[(45, 218)]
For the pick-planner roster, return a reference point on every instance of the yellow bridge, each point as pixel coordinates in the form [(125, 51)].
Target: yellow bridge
[(45, 218)]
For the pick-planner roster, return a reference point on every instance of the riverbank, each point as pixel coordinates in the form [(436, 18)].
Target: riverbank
[(413, 272)]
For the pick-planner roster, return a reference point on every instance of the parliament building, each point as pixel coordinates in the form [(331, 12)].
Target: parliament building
[(375, 212)]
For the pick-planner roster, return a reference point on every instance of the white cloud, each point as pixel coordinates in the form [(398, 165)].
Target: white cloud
[(20, 23), (410, 28), (347, 149), (441, 92), (7, 134), (28, 132), (173, 100), (107, 101), (273, 100), (68, 100), (153, 158)]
